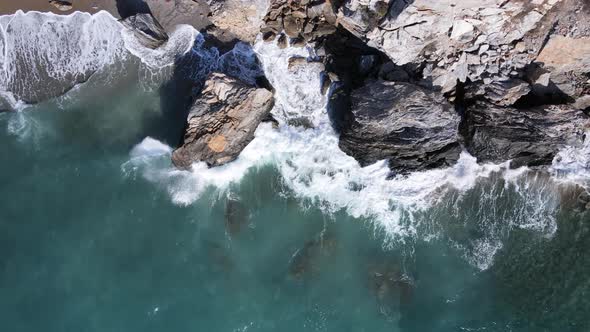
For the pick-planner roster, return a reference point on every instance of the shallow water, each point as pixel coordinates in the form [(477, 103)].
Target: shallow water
[(98, 232)]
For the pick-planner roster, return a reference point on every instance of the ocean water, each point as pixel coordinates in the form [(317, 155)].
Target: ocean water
[(99, 232)]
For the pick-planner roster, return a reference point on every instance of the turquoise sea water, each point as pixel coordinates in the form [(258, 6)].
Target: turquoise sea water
[(86, 245)]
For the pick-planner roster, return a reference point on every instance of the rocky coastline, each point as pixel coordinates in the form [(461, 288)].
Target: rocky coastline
[(417, 82), (414, 82)]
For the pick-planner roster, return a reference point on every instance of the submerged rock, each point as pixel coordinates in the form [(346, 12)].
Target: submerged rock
[(307, 260), (146, 29), (528, 137), (236, 215), (222, 121), (412, 127), (392, 288)]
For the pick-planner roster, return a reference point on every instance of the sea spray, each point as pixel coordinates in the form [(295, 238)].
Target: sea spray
[(318, 173)]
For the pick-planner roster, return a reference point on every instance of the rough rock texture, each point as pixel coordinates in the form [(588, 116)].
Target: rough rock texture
[(172, 13), (528, 137), (61, 5), (147, 30), (476, 40), (302, 21), (414, 128), (222, 121)]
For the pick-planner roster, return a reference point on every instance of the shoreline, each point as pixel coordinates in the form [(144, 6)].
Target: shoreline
[(88, 6), (168, 13)]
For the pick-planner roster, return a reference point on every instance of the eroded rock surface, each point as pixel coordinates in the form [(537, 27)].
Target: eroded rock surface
[(222, 121), (414, 128), (528, 137), (475, 40), (302, 21), (146, 29)]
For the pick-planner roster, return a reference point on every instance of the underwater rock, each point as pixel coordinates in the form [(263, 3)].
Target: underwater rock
[(236, 215), (528, 137), (414, 128), (222, 121), (392, 288), (305, 261), (146, 29)]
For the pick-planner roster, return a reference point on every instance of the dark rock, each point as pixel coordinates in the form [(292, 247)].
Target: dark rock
[(146, 29), (414, 128), (392, 288), (528, 137), (306, 260), (282, 41), (222, 121), (236, 215)]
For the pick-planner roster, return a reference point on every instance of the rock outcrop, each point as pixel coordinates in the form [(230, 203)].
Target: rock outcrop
[(454, 41), (222, 121), (61, 5), (528, 137), (146, 29), (303, 21), (414, 128)]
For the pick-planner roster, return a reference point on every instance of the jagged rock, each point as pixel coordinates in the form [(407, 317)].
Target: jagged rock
[(61, 5), (414, 128), (146, 29), (500, 93), (455, 41), (222, 121), (304, 21), (172, 13), (528, 137)]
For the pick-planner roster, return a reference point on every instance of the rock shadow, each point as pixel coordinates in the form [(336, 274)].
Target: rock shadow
[(127, 8)]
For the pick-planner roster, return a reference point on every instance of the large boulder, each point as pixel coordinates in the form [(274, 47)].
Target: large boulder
[(414, 128), (146, 29), (222, 121), (528, 137), (302, 21)]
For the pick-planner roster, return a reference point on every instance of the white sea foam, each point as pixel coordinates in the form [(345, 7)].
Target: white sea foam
[(572, 164), (309, 159), (43, 55), (180, 41), (313, 166)]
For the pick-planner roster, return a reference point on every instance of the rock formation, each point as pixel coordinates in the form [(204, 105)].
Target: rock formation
[(222, 121), (146, 29), (498, 61), (414, 128), (528, 137), (61, 5)]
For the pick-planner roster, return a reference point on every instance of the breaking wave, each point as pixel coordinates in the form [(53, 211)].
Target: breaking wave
[(60, 53), (317, 172)]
